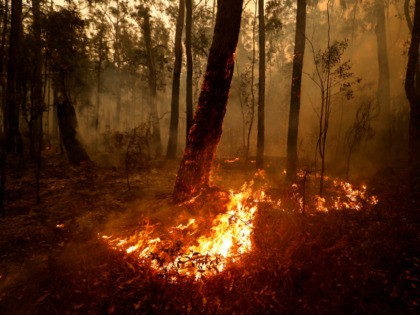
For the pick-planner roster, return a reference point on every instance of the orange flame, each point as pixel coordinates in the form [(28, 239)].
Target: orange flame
[(228, 239)]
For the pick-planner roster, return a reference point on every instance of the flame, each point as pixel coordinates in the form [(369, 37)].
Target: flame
[(345, 196), (210, 253), (184, 250)]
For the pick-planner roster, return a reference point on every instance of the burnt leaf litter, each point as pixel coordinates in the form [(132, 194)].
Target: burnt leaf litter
[(343, 261)]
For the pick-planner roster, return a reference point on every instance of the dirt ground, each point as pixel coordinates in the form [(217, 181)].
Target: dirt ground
[(341, 262)]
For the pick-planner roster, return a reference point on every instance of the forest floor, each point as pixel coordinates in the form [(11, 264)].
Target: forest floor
[(338, 262)]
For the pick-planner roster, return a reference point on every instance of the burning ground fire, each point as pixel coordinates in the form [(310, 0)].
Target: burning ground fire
[(183, 251), (175, 255)]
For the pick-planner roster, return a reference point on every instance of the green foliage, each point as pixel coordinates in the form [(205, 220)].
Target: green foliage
[(329, 67)]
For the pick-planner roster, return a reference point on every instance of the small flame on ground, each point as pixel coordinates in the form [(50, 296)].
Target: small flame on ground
[(348, 197)]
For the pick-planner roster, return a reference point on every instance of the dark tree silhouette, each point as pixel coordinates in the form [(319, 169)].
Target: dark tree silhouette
[(261, 87), (13, 138), (65, 44), (204, 135), (188, 48), (414, 99), (173, 128), (292, 135), (152, 80), (37, 106)]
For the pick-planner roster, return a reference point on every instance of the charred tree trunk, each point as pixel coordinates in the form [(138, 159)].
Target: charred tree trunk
[(188, 48), (152, 83), (37, 108), (2, 51), (67, 123), (3, 102), (410, 27), (293, 130), (407, 15), (414, 98), (13, 141), (261, 87), (173, 128), (204, 135)]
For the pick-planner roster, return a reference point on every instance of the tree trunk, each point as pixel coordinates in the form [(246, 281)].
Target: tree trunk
[(384, 94), (204, 136), (414, 99), (293, 130), (3, 103), (37, 101), (37, 106), (261, 87), (188, 48), (410, 27), (13, 141), (2, 52), (67, 123), (173, 128), (117, 61), (407, 15), (152, 84)]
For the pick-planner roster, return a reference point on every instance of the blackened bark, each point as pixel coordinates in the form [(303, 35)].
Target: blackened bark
[(293, 130), (414, 99), (2, 51), (152, 83), (37, 108), (3, 102), (204, 136), (67, 123), (188, 48), (407, 14), (261, 87), (410, 27), (173, 127), (13, 141)]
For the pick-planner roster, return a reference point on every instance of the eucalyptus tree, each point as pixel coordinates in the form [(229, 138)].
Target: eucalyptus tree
[(201, 35), (144, 18), (13, 138), (295, 96), (37, 100), (261, 86), (188, 50), (173, 128), (194, 171), (4, 31), (413, 97), (99, 40), (67, 58), (119, 13)]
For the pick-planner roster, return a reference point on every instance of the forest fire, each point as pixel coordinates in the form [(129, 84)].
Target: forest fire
[(177, 252), (189, 250)]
